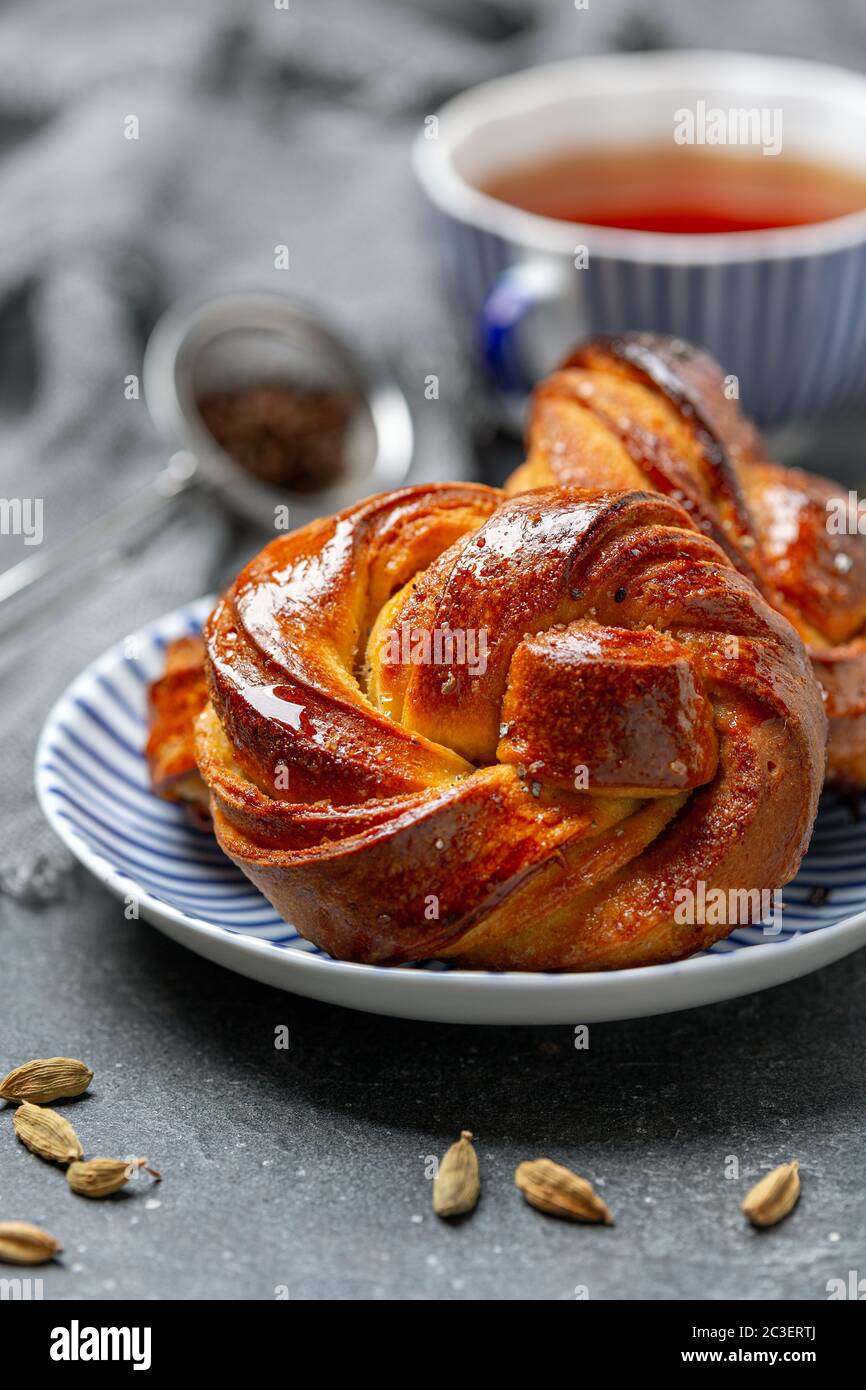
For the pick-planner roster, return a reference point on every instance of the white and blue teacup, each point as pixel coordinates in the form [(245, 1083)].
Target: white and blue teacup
[(783, 309)]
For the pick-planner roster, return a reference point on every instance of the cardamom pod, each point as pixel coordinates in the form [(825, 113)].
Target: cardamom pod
[(46, 1079), (456, 1186), (100, 1177), (23, 1244), (46, 1133), (774, 1196), (559, 1192)]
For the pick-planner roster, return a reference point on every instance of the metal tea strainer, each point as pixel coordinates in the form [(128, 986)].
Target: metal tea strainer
[(224, 344)]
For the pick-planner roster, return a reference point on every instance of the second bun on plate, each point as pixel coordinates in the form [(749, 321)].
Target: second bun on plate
[(643, 410)]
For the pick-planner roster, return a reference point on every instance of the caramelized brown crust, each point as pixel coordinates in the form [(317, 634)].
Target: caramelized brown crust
[(641, 410), (175, 702), (635, 720)]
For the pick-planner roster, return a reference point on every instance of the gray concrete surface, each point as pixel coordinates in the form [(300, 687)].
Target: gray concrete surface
[(301, 1173)]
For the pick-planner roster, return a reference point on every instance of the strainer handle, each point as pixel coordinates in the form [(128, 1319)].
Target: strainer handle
[(178, 474)]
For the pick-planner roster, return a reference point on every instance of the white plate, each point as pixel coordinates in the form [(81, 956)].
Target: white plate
[(92, 783)]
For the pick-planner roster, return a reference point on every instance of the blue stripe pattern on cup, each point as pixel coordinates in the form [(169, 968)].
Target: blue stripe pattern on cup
[(793, 331)]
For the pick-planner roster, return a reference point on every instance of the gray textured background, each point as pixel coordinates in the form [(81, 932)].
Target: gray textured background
[(305, 1169)]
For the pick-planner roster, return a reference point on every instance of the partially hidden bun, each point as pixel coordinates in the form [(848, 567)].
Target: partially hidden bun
[(642, 410)]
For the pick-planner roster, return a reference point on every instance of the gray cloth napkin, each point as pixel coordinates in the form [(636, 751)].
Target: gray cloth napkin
[(257, 126)]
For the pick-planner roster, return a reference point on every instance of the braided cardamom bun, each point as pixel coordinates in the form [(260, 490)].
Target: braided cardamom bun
[(642, 410), (506, 732)]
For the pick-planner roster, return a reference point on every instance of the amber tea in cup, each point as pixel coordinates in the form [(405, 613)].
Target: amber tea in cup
[(679, 189)]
